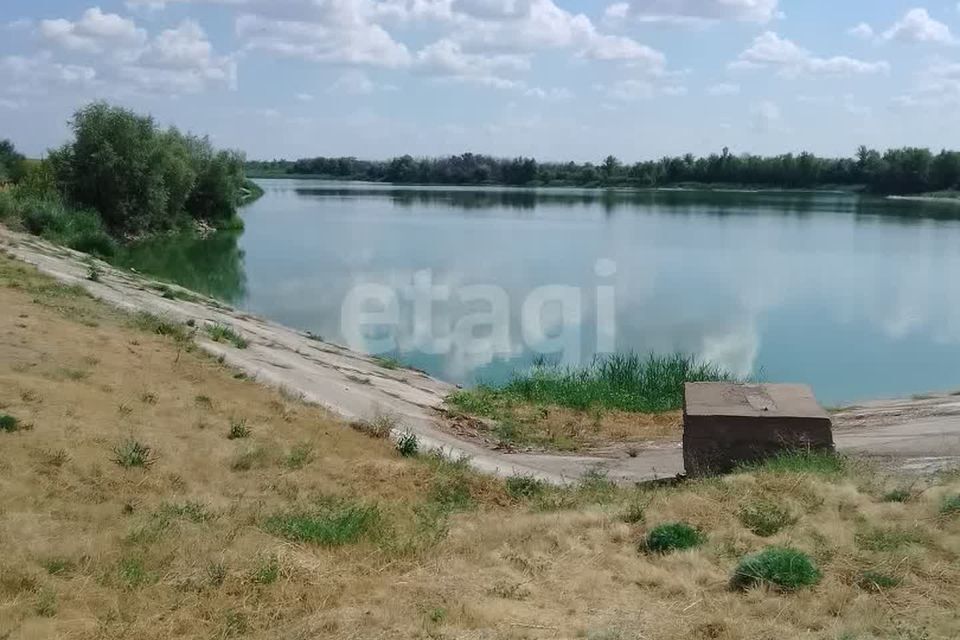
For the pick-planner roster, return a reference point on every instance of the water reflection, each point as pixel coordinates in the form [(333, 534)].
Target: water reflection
[(212, 265), (853, 295)]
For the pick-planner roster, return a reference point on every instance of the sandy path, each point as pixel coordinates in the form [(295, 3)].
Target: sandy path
[(354, 386)]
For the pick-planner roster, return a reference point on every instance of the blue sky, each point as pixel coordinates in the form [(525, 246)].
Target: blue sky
[(556, 79)]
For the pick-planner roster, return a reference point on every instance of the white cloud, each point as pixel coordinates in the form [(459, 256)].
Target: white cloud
[(764, 116), (846, 103), (176, 61), (695, 11), (339, 36), (305, 97), (771, 51), (34, 75), (916, 26), (862, 31), (937, 86), (723, 89), (94, 32), (605, 47), (447, 59)]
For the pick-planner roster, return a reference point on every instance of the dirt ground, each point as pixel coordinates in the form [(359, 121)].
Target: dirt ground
[(183, 547)]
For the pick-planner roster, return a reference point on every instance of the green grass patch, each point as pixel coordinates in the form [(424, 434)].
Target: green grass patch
[(8, 424), (625, 382), (524, 487), (779, 567), (765, 518), (674, 536), (950, 505), (877, 581), (133, 573), (267, 571), (333, 523), (161, 326), (223, 333), (820, 463), (387, 362), (885, 540), (253, 458), (299, 456), (131, 454)]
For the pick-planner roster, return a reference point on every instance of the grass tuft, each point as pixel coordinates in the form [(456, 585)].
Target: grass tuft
[(333, 524), (8, 423), (625, 382), (408, 445), (238, 429), (524, 487), (674, 536), (900, 494), (765, 518), (886, 539), (803, 462), (267, 571), (223, 333), (379, 427), (160, 326), (950, 505), (778, 567), (131, 454), (877, 581), (299, 456)]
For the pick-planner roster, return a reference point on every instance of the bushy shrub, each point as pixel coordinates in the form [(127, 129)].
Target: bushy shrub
[(779, 567), (674, 536), (141, 178)]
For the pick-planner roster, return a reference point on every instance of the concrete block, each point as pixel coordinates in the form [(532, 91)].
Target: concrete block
[(726, 424)]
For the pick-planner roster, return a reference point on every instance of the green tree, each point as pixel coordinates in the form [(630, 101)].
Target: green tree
[(12, 164)]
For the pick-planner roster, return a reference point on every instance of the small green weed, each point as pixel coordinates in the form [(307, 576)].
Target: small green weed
[(223, 333), (267, 571), (131, 454), (133, 573), (779, 567), (408, 445), (58, 566), (238, 429), (299, 456), (674, 536), (161, 327), (950, 505)]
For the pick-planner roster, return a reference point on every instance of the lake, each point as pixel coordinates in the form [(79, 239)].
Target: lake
[(853, 295)]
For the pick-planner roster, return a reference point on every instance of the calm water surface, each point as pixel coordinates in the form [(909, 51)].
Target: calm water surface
[(856, 296)]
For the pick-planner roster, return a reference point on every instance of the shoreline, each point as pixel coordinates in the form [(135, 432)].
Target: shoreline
[(355, 386)]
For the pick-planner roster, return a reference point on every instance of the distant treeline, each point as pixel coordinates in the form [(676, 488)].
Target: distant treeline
[(896, 171)]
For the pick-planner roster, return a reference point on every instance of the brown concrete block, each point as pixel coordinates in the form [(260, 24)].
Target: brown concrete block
[(726, 424)]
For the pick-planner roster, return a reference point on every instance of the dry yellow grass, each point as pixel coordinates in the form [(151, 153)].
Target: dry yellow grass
[(183, 548)]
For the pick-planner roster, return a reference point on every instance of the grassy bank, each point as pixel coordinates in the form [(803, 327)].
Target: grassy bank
[(572, 408), (187, 502)]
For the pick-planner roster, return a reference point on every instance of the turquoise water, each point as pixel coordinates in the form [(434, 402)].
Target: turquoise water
[(852, 295)]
